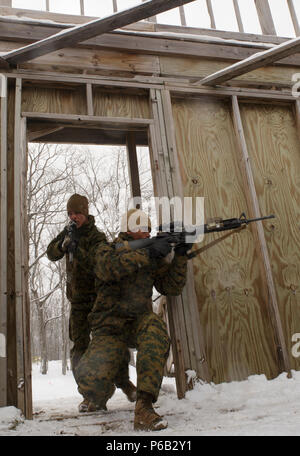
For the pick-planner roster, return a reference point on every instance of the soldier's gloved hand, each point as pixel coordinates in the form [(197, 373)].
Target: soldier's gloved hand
[(160, 248), (182, 249), (65, 244)]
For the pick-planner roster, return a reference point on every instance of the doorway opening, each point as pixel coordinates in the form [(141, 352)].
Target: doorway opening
[(108, 175)]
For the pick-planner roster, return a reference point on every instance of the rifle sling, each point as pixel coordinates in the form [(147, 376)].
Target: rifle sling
[(211, 244)]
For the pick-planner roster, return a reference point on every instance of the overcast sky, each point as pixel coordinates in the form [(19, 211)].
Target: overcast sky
[(196, 12)]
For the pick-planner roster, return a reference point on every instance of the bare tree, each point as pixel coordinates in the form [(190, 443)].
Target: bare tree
[(48, 180), (105, 181), (54, 173)]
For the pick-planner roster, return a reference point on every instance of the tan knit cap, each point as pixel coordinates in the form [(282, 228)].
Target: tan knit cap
[(78, 203), (135, 219)]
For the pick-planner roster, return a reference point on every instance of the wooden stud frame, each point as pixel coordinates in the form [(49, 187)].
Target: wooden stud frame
[(263, 10), (22, 360), (238, 16), (23, 353), (3, 245), (211, 14), (162, 144), (188, 346), (133, 169), (294, 17), (77, 34), (197, 359), (187, 343), (265, 17)]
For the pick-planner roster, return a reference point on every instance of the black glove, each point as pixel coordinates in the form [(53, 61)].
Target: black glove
[(160, 248), (65, 243), (70, 240), (182, 249)]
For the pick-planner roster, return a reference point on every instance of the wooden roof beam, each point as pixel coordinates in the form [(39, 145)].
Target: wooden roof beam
[(257, 60), (77, 34), (265, 17)]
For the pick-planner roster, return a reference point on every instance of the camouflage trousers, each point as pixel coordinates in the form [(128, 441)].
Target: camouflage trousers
[(79, 334), (101, 363)]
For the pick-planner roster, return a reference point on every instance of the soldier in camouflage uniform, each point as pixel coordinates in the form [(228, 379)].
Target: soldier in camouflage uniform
[(81, 287), (122, 317)]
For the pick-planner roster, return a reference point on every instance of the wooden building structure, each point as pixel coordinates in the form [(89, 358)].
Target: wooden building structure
[(218, 112)]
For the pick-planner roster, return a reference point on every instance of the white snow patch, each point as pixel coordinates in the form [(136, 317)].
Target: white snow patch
[(255, 406), (10, 418)]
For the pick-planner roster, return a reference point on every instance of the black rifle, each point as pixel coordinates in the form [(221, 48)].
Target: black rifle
[(72, 234), (177, 234)]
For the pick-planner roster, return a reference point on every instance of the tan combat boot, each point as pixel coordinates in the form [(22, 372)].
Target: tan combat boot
[(145, 418), (83, 406), (101, 406), (96, 408), (130, 390)]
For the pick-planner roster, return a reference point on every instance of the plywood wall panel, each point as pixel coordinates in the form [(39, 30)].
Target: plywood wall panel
[(65, 101), (274, 148), (121, 105), (232, 302), (50, 100)]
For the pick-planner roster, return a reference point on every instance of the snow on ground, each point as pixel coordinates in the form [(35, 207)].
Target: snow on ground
[(254, 407)]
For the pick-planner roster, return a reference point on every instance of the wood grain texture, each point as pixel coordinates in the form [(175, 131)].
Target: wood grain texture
[(93, 28), (60, 101), (265, 17), (3, 249), (116, 104), (91, 61), (260, 240), (233, 312), (273, 145), (11, 309), (159, 43), (191, 67)]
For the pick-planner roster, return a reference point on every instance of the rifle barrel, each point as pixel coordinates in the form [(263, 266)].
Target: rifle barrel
[(259, 218)]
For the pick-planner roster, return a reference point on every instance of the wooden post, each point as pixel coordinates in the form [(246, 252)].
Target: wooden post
[(3, 244), (183, 313), (11, 318), (182, 16), (265, 17), (156, 140), (133, 169), (25, 273), (115, 6), (194, 332), (47, 5), (6, 3), (89, 100), (211, 14), (294, 17), (238, 15), (175, 314), (82, 7), (18, 249), (297, 108), (18, 336), (253, 204)]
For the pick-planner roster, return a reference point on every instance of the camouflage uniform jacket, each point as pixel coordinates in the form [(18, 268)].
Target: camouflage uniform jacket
[(80, 273), (125, 281)]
